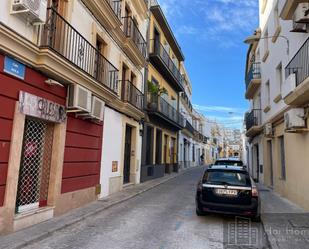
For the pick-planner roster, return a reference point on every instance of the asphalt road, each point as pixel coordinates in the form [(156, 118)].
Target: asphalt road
[(162, 218)]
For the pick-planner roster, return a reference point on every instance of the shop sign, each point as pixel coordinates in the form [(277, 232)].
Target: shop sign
[(14, 67), (38, 107)]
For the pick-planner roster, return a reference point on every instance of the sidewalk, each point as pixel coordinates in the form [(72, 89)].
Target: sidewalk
[(38, 232), (286, 224)]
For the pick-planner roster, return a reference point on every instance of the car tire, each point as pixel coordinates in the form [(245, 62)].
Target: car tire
[(199, 212)]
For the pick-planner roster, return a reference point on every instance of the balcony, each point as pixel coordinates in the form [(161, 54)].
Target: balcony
[(135, 45), (297, 75), (253, 121), (132, 95), (59, 36), (253, 79), (289, 8), (116, 7), (189, 127), (162, 61), (164, 112), (107, 12)]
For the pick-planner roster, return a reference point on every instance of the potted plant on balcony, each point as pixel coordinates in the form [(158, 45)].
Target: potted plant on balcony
[(154, 91)]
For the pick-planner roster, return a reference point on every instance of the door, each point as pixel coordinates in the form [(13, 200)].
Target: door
[(159, 147), (165, 148), (127, 155), (156, 41), (257, 162), (35, 165), (57, 25), (270, 157), (173, 143)]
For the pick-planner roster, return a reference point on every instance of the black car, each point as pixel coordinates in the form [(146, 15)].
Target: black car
[(228, 190)]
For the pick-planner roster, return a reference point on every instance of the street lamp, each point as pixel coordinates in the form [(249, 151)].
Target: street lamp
[(254, 38)]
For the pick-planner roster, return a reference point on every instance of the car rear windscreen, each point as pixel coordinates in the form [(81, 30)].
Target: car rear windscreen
[(227, 177), (229, 163)]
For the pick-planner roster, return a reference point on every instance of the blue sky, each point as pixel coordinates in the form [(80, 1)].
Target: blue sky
[(211, 34)]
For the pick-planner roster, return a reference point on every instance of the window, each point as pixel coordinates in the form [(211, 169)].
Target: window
[(279, 77), (267, 94), (282, 157), (234, 178)]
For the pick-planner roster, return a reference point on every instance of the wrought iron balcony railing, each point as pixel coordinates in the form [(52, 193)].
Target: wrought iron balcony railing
[(299, 64), (131, 31), (157, 49), (156, 103), (131, 94), (253, 118), (254, 73), (59, 36), (189, 127), (116, 6)]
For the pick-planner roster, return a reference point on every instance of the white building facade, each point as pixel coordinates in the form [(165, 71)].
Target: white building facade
[(276, 74)]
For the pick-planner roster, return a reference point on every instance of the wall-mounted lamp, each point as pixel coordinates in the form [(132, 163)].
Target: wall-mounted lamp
[(254, 38)]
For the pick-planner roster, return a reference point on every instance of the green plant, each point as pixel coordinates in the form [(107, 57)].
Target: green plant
[(156, 89)]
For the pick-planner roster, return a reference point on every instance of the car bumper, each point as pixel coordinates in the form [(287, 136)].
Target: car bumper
[(251, 210)]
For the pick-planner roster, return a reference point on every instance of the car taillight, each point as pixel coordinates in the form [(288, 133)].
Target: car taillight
[(254, 192)]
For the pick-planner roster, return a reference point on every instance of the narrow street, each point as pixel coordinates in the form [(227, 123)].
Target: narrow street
[(162, 218)]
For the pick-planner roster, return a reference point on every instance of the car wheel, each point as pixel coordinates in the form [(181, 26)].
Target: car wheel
[(199, 212)]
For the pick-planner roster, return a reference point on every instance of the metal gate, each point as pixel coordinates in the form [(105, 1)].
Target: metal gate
[(34, 170)]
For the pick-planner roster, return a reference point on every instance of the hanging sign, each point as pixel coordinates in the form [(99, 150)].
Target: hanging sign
[(41, 108), (14, 67)]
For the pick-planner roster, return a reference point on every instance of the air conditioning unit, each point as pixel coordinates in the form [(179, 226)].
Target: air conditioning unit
[(97, 110), (289, 85), (301, 14), (32, 10), (79, 99), (268, 130), (295, 119)]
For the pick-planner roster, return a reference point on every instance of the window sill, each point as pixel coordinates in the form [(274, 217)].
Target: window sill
[(276, 34), (278, 98), (267, 109), (265, 55)]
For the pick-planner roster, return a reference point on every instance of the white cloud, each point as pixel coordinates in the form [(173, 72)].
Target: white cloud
[(220, 20), (223, 109)]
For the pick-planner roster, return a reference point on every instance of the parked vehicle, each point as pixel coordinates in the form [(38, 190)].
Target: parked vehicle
[(229, 161), (229, 190)]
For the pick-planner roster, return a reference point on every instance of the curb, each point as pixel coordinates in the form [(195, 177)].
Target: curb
[(270, 245), (45, 234)]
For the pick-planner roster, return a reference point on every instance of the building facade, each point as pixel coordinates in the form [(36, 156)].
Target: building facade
[(276, 86), (60, 75), (165, 82)]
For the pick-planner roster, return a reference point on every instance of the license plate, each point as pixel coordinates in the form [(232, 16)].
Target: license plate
[(228, 192)]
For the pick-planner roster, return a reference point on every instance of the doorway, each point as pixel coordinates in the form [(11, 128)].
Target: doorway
[(158, 147), (257, 154), (270, 158), (165, 148), (34, 173), (127, 155), (156, 41), (173, 143)]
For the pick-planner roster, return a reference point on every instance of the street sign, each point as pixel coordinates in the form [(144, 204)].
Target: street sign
[(14, 67)]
